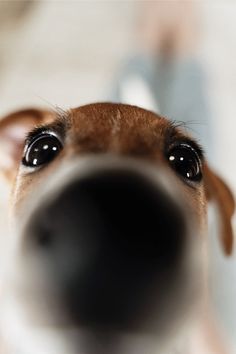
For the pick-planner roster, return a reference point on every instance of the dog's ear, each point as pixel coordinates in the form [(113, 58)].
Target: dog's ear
[(13, 130), (218, 191)]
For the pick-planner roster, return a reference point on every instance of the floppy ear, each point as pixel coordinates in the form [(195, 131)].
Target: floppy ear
[(219, 192), (13, 130)]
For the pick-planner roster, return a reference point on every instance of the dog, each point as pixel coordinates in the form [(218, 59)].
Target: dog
[(107, 246)]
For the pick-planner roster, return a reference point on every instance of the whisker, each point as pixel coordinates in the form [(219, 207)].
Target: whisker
[(61, 112)]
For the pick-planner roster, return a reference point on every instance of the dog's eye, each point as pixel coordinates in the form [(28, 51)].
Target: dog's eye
[(41, 150), (185, 161)]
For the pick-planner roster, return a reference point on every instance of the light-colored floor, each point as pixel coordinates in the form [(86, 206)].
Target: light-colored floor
[(65, 53)]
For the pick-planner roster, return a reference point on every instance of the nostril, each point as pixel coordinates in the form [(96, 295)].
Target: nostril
[(44, 239)]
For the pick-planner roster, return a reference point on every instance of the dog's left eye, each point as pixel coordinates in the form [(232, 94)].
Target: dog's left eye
[(186, 162), (42, 150)]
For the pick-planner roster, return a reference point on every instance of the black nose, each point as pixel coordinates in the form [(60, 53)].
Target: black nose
[(109, 239)]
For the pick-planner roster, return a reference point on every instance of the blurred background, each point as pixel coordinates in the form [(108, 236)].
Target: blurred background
[(174, 57)]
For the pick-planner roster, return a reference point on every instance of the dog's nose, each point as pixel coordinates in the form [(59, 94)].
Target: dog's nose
[(109, 238)]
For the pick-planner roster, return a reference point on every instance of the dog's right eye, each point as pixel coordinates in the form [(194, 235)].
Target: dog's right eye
[(42, 150), (185, 161)]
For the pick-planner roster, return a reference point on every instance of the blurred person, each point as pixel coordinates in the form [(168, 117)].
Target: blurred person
[(165, 75)]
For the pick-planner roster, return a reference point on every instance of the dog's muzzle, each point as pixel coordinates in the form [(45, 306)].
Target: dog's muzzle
[(113, 236)]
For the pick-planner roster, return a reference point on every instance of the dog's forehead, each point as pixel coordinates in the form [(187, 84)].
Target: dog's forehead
[(118, 127), (116, 117)]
